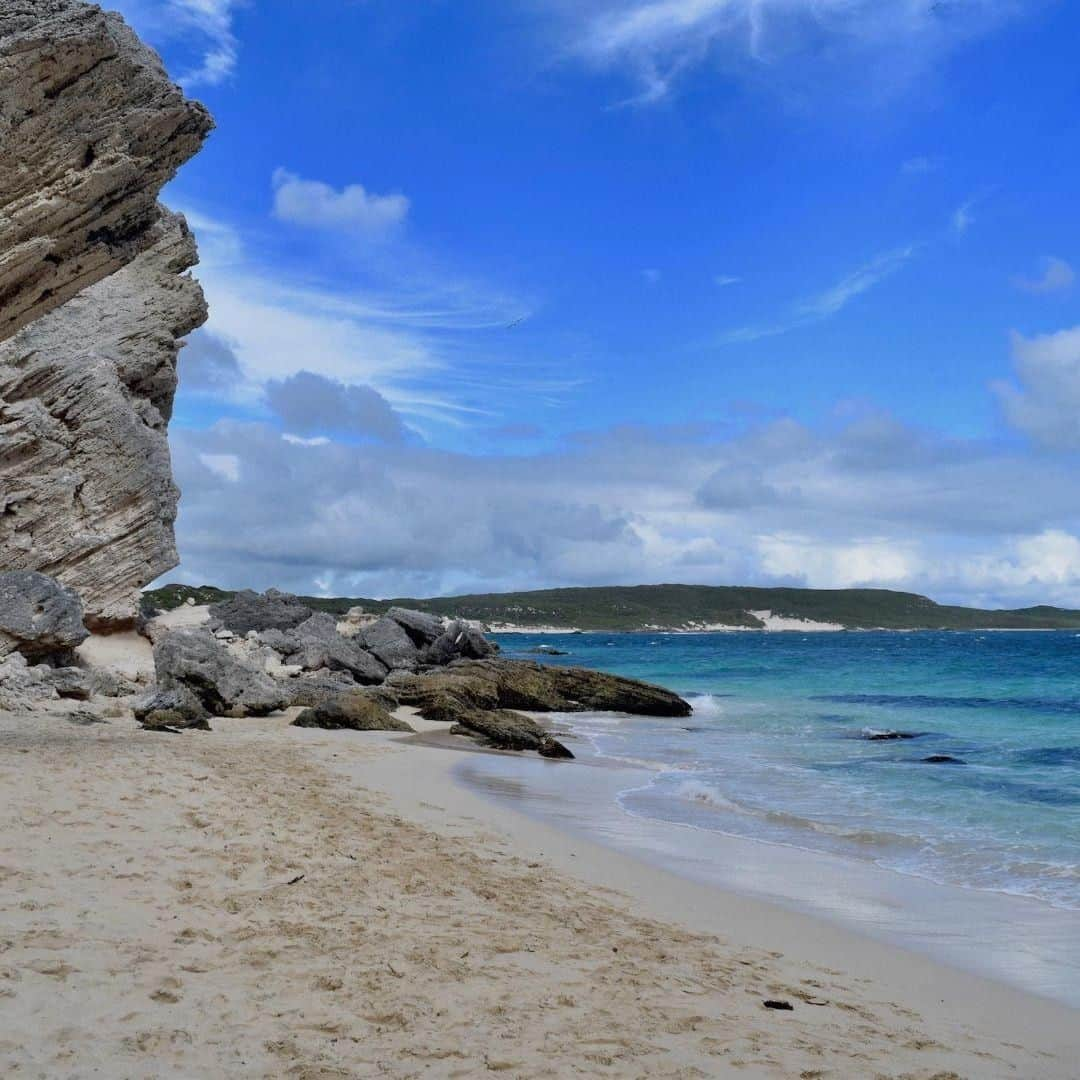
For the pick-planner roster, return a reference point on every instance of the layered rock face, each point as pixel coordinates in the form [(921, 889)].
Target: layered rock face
[(94, 298)]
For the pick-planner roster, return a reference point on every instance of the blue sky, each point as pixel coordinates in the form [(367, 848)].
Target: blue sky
[(543, 292)]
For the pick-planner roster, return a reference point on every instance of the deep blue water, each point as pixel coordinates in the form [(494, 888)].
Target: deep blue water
[(780, 748)]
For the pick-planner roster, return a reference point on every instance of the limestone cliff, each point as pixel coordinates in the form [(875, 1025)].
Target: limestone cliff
[(94, 297)]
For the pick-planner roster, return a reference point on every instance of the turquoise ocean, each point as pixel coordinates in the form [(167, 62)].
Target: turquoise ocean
[(950, 756)]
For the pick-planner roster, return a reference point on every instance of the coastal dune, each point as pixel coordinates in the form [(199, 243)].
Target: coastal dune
[(270, 901)]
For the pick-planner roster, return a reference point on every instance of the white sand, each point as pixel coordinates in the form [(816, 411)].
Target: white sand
[(149, 928)]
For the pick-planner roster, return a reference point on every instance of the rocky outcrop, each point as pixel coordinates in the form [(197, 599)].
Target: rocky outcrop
[(443, 694), (39, 618), (91, 127), (503, 729), (93, 301), (247, 611), (196, 661), (354, 711)]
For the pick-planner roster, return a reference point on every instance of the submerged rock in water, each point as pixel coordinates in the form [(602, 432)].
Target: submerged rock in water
[(943, 759), (39, 617), (870, 735)]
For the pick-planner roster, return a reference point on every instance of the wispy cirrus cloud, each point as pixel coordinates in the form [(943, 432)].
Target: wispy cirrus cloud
[(1057, 275), (205, 28), (657, 41), (831, 301)]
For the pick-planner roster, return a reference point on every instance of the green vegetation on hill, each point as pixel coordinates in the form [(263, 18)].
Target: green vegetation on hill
[(678, 607)]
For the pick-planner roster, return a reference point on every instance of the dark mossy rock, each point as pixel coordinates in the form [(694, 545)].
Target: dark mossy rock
[(552, 748), (179, 707), (521, 684), (501, 728), (354, 711), (172, 720)]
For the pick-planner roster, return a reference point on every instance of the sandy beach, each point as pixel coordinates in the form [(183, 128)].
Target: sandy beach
[(268, 901)]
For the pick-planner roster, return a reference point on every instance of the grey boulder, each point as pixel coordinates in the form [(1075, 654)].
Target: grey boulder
[(195, 659), (247, 611), (175, 708), (421, 627), (39, 617), (391, 644), (459, 641), (316, 644)]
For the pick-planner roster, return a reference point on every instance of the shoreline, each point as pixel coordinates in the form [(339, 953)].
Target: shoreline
[(268, 900), (856, 896)]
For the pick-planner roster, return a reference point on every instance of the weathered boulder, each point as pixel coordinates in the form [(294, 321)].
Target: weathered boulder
[(316, 643), (521, 684), (459, 641), (390, 643), (504, 729), (421, 627), (93, 301), (197, 660), (38, 616), (313, 688), (500, 728), (351, 711), (247, 611), (177, 708), (91, 128)]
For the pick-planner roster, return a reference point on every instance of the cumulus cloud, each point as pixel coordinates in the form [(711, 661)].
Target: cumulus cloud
[(1044, 403), (311, 405), (208, 364), (872, 502), (422, 344), (890, 41), (1056, 276), (317, 204)]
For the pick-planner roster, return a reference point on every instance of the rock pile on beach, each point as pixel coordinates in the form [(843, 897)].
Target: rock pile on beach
[(94, 301), (253, 655)]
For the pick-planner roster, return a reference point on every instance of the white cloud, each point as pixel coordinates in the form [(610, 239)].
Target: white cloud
[(430, 346), (722, 281), (1056, 276), (224, 466), (876, 562), (1046, 404), (963, 218), (205, 26), (651, 275), (887, 42), (831, 301), (314, 203), (872, 503)]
